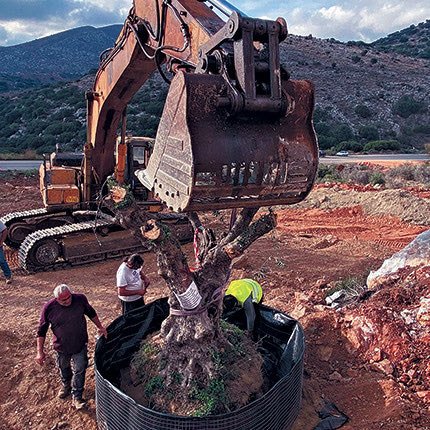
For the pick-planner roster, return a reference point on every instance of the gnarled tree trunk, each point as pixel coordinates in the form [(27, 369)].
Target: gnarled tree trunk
[(189, 335)]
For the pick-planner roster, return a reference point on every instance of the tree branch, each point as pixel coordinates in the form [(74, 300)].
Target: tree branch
[(242, 222), (257, 229), (194, 220)]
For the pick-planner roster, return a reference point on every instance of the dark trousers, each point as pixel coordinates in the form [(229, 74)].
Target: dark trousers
[(80, 363), (129, 306), (3, 264)]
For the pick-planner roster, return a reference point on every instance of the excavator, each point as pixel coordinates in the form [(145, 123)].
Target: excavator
[(235, 132)]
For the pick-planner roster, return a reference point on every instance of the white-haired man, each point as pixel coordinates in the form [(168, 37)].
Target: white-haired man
[(65, 313)]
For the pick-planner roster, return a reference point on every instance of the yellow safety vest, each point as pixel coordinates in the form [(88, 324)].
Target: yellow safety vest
[(242, 288)]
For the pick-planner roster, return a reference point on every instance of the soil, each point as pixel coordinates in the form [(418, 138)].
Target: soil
[(335, 234)]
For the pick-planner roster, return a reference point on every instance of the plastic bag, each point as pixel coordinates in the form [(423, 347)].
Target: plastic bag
[(417, 253)]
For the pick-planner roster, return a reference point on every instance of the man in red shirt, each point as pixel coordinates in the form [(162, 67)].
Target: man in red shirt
[(66, 316)]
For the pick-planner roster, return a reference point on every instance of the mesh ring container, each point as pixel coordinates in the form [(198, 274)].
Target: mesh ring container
[(282, 347)]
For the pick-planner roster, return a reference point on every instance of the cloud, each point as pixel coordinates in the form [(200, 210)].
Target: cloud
[(345, 20), (24, 20)]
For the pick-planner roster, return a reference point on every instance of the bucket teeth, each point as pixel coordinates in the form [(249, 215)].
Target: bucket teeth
[(205, 159)]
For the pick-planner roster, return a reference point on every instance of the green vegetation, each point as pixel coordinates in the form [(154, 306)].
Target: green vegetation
[(12, 174), (368, 132), (407, 106), (412, 41), (204, 397), (396, 177), (382, 145), (363, 111), (353, 288), (36, 121)]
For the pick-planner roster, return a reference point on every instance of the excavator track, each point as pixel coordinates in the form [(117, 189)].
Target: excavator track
[(22, 224), (15, 216), (33, 250), (57, 248)]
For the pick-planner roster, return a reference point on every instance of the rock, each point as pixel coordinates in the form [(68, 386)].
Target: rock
[(385, 366), (335, 297), (325, 353), (321, 283), (424, 395), (376, 355), (352, 373), (335, 376), (412, 373), (360, 335), (404, 378), (302, 307), (408, 316), (423, 314), (417, 253)]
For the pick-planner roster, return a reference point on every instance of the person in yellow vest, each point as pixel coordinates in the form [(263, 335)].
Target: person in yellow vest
[(243, 293)]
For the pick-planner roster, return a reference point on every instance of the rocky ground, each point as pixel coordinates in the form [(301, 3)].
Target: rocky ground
[(369, 358)]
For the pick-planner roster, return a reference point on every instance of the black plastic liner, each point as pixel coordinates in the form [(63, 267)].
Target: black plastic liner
[(282, 346)]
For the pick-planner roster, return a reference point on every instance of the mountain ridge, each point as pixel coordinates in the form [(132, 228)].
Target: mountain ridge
[(364, 93)]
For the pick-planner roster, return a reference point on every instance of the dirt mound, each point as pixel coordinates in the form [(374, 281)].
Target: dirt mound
[(400, 203)]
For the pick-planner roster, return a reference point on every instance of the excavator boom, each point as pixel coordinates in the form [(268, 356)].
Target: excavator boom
[(151, 25)]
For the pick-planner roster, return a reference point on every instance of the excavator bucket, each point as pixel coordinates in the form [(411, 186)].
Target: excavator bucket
[(204, 158)]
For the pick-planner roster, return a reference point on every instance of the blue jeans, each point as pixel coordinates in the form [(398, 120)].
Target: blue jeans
[(3, 264), (80, 362)]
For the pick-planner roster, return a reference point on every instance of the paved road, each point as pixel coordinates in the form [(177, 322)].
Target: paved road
[(19, 164), (34, 164), (334, 159)]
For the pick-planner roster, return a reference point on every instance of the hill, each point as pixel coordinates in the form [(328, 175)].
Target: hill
[(413, 41), (363, 95), (63, 56), (366, 99)]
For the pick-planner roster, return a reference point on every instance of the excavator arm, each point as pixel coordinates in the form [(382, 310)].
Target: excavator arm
[(235, 131), (184, 25)]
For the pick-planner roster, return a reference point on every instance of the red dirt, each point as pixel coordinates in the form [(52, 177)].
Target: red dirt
[(309, 249)]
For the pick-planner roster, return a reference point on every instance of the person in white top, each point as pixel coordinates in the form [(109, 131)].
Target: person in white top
[(131, 283)]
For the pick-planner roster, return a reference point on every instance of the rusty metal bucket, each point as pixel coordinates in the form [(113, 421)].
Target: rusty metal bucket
[(204, 158)]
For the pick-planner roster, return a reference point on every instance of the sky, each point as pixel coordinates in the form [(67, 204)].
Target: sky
[(366, 20)]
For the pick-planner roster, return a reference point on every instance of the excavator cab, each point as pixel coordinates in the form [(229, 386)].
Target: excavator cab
[(237, 132)]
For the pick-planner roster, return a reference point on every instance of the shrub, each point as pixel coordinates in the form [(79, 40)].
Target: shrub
[(377, 178), (355, 174), (368, 132), (381, 145), (322, 128), (363, 111), (326, 142), (321, 115), (349, 145), (422, 173), (342, 132), (407, 106), (353, 287), (404, 172), (421, 129), (328, 173)]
